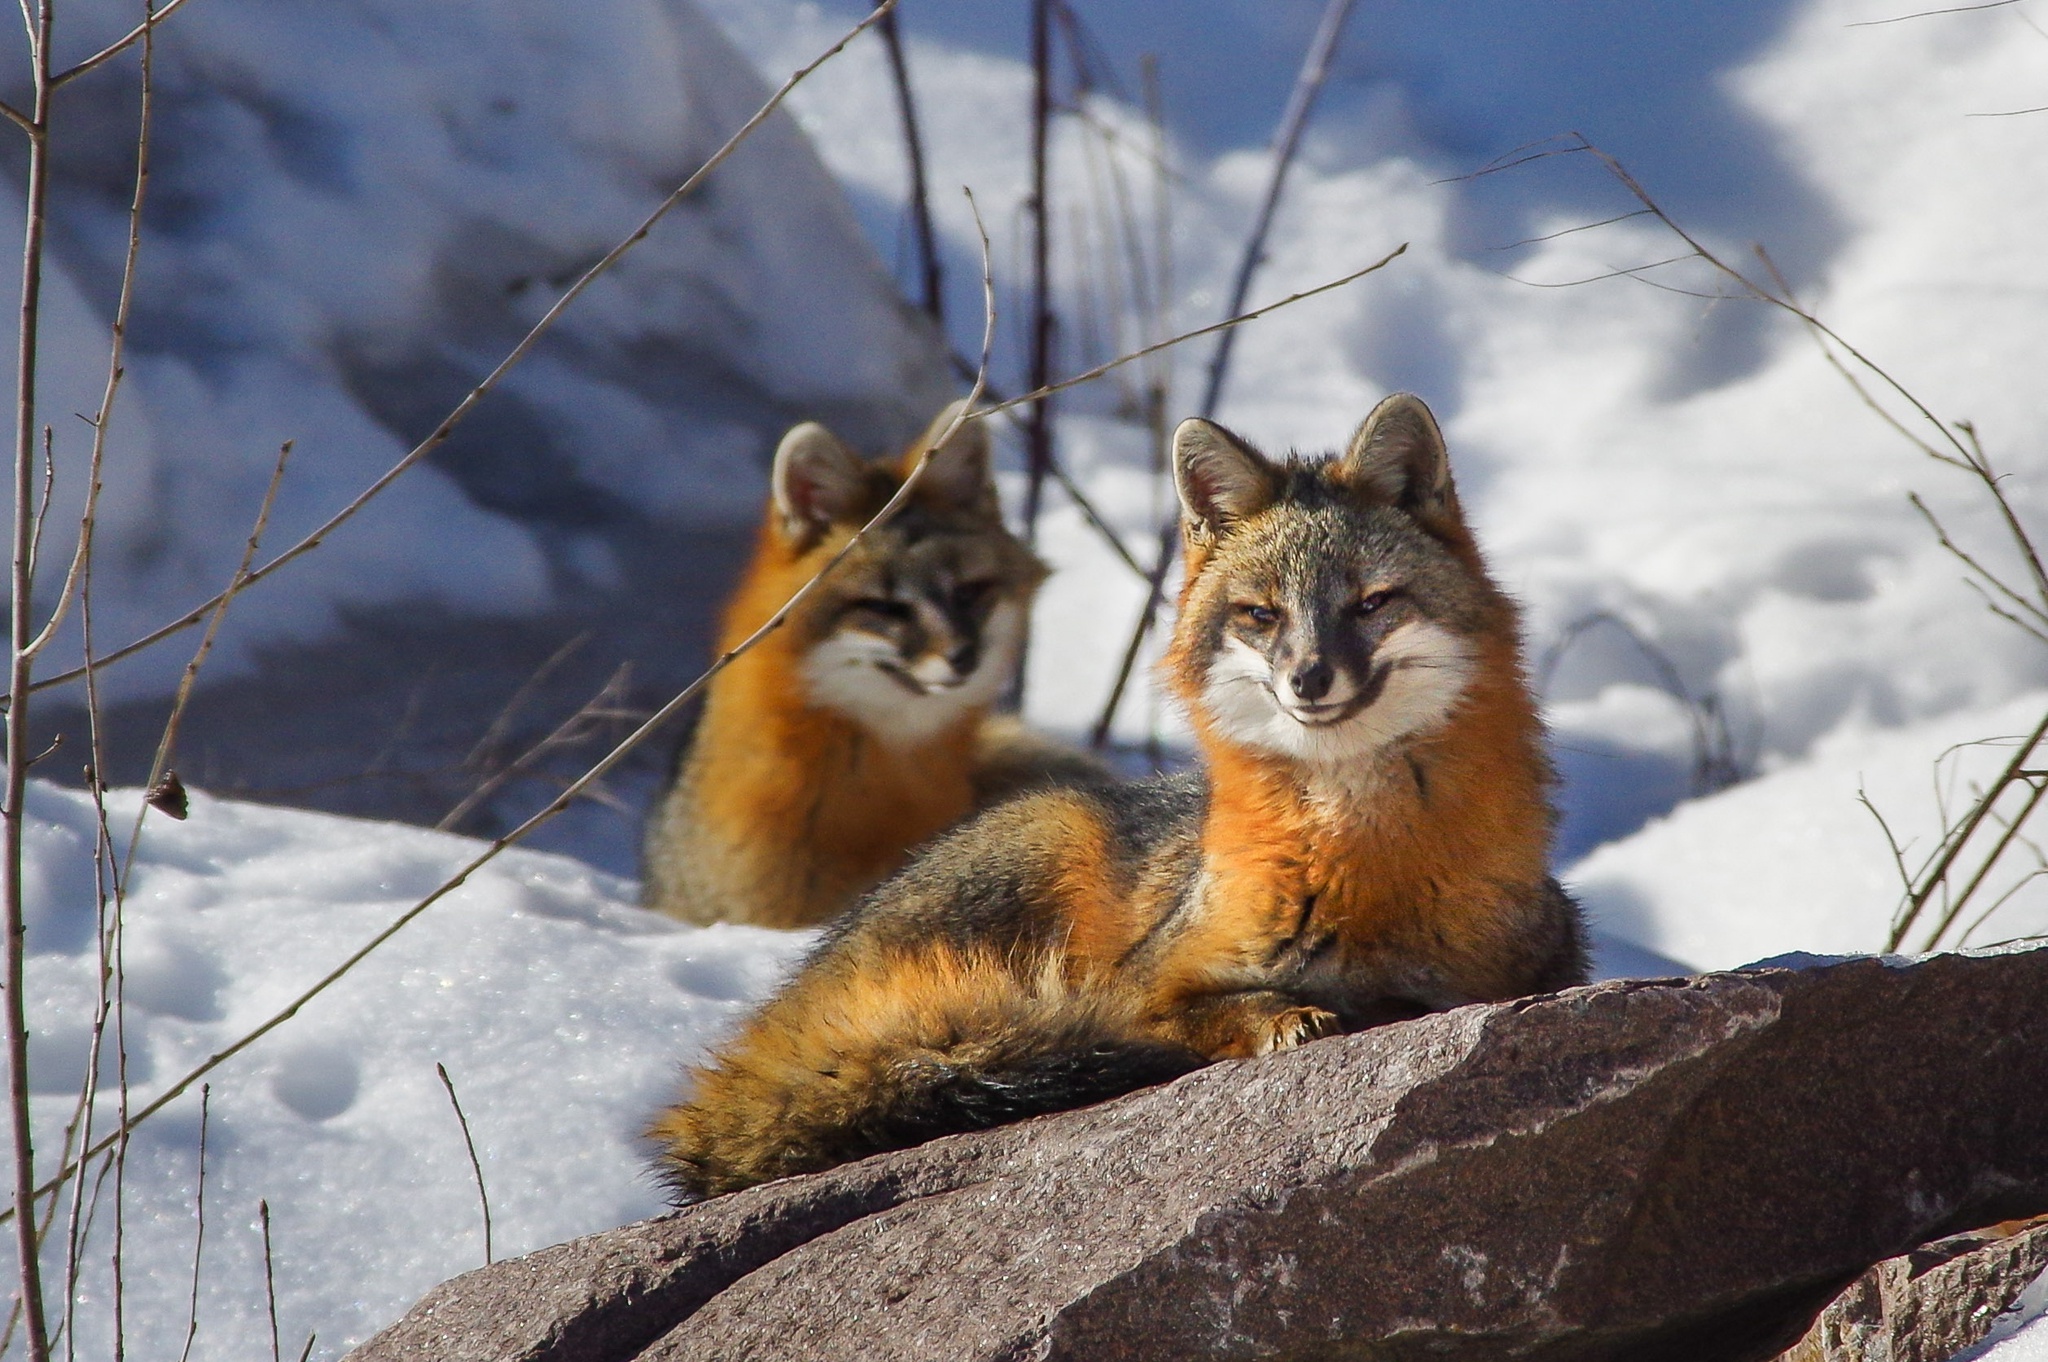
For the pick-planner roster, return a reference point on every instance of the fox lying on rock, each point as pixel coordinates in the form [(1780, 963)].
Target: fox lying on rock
[(864, 726), (1367, 840)]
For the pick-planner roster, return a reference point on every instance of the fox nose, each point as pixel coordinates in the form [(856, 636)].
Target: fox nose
[(1312, 682), (964, 658)]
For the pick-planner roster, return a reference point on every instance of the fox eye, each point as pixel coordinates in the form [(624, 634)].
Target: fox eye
[(1264, 616), (967, 595), (1372, 603), (884, 606)]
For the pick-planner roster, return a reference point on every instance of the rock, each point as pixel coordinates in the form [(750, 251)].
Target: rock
[(1930, 1304), (1677, 1169)]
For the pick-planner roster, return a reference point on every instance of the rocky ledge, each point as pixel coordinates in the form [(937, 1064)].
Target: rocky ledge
[(1680, 1169)]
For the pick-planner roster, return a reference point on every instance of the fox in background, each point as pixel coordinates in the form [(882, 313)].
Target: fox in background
[(863, 727), (1368, 839)]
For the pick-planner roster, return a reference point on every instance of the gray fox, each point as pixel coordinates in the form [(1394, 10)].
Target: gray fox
[(863, 727), (1367, 841)]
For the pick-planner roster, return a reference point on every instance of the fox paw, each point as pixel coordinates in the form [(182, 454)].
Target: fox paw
[(1296, 1026)]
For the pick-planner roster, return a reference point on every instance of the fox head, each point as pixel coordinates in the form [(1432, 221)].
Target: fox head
[(924, 620), (1332, 609)]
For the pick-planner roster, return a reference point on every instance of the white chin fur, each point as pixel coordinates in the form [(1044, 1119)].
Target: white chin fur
[(845, 674), (1431, 669)]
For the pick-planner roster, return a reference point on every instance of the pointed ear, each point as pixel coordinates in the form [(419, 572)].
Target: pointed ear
[(1398, 456), (959, 474), (816, 480), (1221, 480)]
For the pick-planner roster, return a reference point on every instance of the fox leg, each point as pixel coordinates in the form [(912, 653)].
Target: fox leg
[(1240, 1025)]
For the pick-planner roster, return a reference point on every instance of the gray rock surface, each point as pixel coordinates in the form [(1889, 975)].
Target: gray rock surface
[(1681, 1169), (1930, 1304)]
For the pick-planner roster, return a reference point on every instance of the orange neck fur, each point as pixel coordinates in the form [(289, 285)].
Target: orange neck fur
[(811, 806), (1443, 809)]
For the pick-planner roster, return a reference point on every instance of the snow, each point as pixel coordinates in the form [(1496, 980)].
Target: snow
[(2018, 1335), (1793, 858), (562, 1013)]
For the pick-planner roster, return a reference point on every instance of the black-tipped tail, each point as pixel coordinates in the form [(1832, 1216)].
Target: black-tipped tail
[(893, 1054)]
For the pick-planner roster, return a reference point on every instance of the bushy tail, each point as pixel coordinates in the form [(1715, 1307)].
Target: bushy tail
[(896, 1051)]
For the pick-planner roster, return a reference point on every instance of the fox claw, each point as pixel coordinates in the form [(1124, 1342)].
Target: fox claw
[(1297, 1026)]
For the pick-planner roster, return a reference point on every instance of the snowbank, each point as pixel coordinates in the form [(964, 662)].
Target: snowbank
[(1793, 860), (562, 1013), (356, 210)]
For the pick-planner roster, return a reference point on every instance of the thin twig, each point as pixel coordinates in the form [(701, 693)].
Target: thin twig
[(39, 17), (1038, 424), (913, 151), (571, 729), (1568, 231), (1930, 13), (476, 1165), (1301, 102), (117, 47), (1941, 536), (269, 1278), (495, 734), (1937, 875), (519, 352), (1890, 841), (199, 1236), (167, 744), (2037, 789)]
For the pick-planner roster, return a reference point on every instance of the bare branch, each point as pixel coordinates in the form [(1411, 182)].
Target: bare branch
[(601, 705), (913, 150), (1937, 875), (1930, 13), (269, 1279), (1582, 227), (475, 1164), (199, 1236), (117, 47), (2037, 789), (495, 734), (159, 769), (1942, 537), (1301, 102), (1762, 294)]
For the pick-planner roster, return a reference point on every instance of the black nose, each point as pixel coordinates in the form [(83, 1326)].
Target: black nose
[(1312, 682), (964, 658)]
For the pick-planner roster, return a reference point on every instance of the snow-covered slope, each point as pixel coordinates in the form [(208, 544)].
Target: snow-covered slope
[(563, 1015), (1793, 860)]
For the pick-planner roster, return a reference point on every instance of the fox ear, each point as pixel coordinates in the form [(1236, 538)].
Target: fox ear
[(1221, 480), (816, 480), (1398, 455), (959, 473)]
